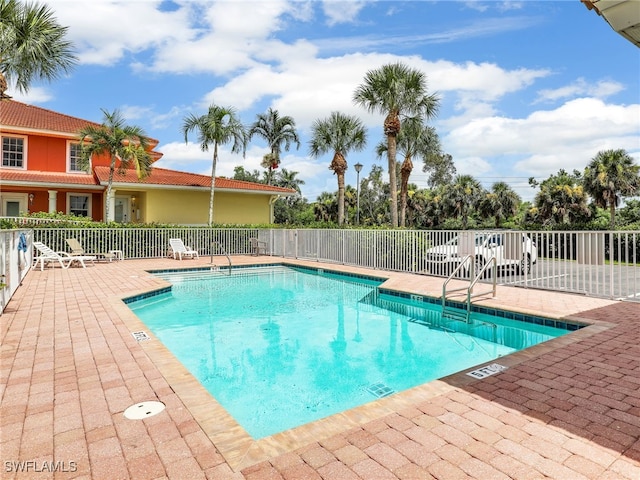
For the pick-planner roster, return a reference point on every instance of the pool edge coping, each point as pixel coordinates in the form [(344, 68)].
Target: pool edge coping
[(240, 450)]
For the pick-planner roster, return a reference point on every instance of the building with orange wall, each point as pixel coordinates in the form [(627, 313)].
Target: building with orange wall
[(40, 172)]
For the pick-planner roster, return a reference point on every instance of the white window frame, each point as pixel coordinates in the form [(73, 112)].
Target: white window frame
[(74, 194), (21, 198), (25, 145), (69, 169)]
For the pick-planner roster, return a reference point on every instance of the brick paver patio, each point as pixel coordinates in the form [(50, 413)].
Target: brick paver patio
[(566, 409)]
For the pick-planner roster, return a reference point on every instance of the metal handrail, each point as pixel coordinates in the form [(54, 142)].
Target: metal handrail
[(221, 247), (465, 259), (493, 263), (472, 283)]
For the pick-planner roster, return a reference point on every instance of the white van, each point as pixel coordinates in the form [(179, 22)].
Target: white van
[(503, 246)]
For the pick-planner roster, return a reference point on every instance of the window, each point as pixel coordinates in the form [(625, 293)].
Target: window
[(79, 205), (74, 151), (13, 152)]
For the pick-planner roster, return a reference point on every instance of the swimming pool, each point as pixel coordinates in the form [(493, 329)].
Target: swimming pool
[(279, 346)]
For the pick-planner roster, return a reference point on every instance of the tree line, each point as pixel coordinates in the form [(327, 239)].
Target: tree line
[(576, 200), (33, 46)]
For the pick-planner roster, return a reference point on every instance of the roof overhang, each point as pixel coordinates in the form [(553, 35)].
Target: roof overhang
[(51, 185), (200, 188), (622, 15)]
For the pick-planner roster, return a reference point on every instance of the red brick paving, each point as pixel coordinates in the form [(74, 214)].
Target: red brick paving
[(69, 367)]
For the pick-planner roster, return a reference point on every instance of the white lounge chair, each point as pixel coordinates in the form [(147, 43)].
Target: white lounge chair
[(257, 246), (179, 249), (78, 250), (47, 255)]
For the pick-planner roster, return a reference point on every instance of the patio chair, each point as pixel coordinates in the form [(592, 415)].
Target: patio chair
[(179, 249), (78, 250), (47, 255), (257, 246)]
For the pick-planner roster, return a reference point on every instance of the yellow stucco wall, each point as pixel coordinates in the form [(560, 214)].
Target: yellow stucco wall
[(188, 207)]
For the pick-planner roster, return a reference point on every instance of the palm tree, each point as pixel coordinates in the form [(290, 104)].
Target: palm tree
[(414, 140), (113, 137), (325, 207), (339, 133), (218, 127), (395, 90), (463, 197), (561, 199), (276, 130), (610, 175), (288, 179), (32, 45), (502, 202)]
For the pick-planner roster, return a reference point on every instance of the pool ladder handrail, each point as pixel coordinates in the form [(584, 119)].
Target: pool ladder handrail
[(453, 312), (221, 247)]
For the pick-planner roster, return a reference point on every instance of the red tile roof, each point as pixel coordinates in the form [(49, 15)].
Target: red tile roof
[(10, 175), (18, 114), (21, 115), (162, 176), (159, 177)]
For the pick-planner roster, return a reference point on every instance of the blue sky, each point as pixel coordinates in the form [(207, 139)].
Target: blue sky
[(526, 87)]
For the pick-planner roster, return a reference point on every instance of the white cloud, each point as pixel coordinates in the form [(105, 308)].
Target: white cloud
[(105, 30), (341, 11), (35, 95), (580, 87), (566, 137)]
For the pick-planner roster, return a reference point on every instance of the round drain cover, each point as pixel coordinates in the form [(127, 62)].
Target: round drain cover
[(143, 410)]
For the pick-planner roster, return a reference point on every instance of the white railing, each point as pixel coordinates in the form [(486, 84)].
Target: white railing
[(604, 264), (14, 263), (148, 242)]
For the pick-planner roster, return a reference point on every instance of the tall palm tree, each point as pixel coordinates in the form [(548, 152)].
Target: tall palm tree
[(463, 197), (219, 126), (276, 131), (395, 90), (500, 203), (414, 140), (610, 175), (341, 134), (127, 143), (33, 45)]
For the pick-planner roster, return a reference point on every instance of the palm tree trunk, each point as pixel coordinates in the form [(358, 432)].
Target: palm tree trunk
[(340, 198), (3, 87), (391, 130), (213, 182), (405, 171), (612, 213), (112, 169), (393, 186), (339, 166)]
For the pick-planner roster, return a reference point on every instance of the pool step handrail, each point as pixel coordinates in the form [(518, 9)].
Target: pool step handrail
[(455, 313), (224, 252)]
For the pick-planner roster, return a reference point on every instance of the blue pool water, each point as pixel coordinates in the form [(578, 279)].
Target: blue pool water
[(279, 347)]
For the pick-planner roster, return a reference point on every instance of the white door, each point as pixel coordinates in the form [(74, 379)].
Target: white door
[(122, 212)]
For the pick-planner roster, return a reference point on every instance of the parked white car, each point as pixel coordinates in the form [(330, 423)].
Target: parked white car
[(443, 259)]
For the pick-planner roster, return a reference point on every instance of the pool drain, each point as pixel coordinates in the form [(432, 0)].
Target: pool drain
[(143, 410), (380, 390)]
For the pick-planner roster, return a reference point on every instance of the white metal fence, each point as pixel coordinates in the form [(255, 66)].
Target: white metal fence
[(14, 263), (605, 264)]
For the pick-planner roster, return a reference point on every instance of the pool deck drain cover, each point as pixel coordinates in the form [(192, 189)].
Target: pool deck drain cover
[(141, 336), (380, 390), (487, 371), (143, 410)]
